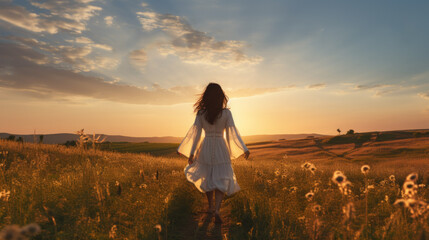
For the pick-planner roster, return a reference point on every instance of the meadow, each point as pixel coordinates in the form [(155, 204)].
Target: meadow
[(290, 190)]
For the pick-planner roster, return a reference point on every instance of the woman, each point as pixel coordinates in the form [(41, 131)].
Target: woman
[(209, 157)]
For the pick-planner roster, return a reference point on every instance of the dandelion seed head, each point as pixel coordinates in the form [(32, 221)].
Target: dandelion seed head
[(365, 169)]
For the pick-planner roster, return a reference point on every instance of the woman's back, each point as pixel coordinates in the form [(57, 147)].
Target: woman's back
[(217, 128)]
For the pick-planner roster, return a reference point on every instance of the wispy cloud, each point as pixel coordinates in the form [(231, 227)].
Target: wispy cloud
[(64, 15), (108, 20), (316, 86), (194, 46), (74, 57), (19, 73), (424, 95)]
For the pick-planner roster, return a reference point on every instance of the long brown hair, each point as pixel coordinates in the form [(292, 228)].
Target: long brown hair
[(211, 102)]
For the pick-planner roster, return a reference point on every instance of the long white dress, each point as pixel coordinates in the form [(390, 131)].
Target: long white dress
[(212, 152)]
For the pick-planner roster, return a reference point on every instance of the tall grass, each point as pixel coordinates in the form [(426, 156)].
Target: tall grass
[(273, 203), (85, 194), (77, 193)]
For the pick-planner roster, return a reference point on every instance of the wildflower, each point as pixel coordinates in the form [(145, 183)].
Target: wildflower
[(408, 193), (409, 185), (401, 203), (371, 186), (158, 228), (338, 177), (306, 165), (167, 199), (365, 169), (345, 187), (316, 208), (284, 176), (301, 218), (268, 181), (285, 156), (277, 172), (422, 185), (309, 196), (386, 198), (144, 186), (238, 223), (313, 168), (392, 178), (293, 189), (412, 177)]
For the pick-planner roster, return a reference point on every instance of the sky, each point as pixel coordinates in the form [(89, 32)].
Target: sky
[(136, 67)]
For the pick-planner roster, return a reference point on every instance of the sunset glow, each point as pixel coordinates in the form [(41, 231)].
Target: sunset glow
[(135, 68)]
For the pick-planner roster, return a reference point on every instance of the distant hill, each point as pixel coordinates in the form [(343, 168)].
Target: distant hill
[(61, 138)]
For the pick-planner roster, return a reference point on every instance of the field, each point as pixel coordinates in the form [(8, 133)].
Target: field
[(73, 193)]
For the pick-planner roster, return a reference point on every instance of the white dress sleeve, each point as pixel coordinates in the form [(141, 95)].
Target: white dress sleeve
[(234, 142), (192, 140)]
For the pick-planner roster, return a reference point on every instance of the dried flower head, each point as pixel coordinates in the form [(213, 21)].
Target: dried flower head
[(409, 185), (316, 208), (338, 177), (365, 169), (309, 196), (412, 177), (306, 165)]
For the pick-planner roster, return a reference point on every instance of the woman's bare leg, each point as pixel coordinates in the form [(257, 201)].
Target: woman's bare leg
[(218, 201), (210, 200)]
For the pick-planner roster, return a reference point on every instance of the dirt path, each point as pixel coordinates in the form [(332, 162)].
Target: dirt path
[(205, 227)]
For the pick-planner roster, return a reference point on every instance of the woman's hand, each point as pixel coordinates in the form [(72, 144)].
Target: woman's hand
[(191, 159), (246, 154)]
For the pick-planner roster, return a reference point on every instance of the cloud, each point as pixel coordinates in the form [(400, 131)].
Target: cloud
[(108, 20), (138, 58), (368, 87), (47, 82), (65, 15), (317, 86), (76, 58), (87, 41), (193, 46), (424, 95)]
